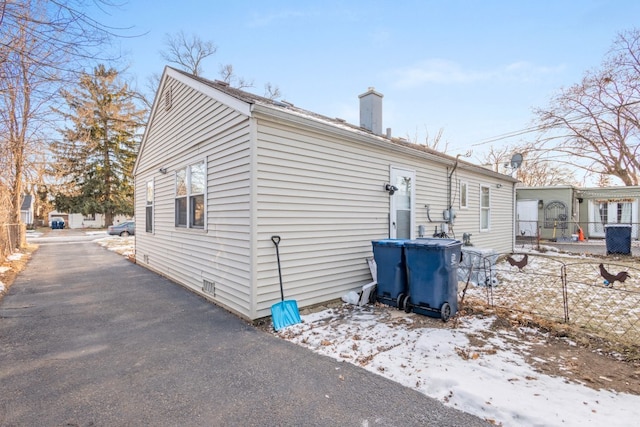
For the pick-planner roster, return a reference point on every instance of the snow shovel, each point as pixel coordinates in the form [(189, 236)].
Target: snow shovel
[(283, 313)]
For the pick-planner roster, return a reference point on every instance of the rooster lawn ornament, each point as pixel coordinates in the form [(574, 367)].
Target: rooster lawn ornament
[(610, 279)]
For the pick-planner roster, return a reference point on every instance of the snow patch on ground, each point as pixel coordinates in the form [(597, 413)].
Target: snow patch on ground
[(122, 245), (490, 378), (16, 256), (487, 377)]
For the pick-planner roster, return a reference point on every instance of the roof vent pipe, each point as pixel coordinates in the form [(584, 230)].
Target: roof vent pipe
[(371, 111)]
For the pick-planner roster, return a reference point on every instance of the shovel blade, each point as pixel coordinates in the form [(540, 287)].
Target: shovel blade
[(285, 313)]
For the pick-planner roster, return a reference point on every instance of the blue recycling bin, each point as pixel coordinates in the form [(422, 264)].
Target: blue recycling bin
[(391, 269), (618, 238), (432, 277)]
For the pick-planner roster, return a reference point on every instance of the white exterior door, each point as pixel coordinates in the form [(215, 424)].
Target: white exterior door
[(527, 215), (402, 215)]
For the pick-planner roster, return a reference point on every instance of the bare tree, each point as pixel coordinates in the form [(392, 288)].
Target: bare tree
[(271, 91), (435, 143), (42, 43), (594, 124), (227, 75), (187, 52), (536, 170)]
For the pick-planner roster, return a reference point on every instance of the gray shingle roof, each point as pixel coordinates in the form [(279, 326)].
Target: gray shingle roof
[(26, 202)]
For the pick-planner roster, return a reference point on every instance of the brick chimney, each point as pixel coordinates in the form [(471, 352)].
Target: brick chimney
[(371, 111)]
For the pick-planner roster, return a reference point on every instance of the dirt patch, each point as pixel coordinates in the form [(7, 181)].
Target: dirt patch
[(560, 351)]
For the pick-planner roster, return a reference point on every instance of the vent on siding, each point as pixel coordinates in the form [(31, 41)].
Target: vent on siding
[(146, 259), (209, 287), (168, 98)]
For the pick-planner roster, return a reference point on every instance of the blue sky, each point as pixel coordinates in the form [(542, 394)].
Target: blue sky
[(473, 68)]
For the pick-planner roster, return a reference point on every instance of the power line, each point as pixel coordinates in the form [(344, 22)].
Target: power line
[(543, 127)]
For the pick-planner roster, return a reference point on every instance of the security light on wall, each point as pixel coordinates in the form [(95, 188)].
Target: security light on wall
[(540, 204), (390, 188), (163, 171)]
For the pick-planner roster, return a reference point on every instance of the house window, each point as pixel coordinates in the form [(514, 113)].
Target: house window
[(196, 196), (463, 194), (485, 208), (89, 217), (190, 201), (149, 208)]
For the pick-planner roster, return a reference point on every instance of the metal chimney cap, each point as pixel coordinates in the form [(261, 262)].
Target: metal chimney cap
[(371, 91)]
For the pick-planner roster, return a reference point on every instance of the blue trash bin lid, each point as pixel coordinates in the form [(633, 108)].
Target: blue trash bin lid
[(396, 243), (432, 243)]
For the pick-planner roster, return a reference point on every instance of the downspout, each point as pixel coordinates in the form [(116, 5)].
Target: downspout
[(450, 188), (514, 210)]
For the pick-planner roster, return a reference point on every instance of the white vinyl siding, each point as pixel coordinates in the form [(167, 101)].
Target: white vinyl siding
[(324, 196), (320, 188), (198, 128)]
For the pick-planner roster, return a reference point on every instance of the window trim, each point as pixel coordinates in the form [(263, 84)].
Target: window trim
[(464, 184), (189, 197), (485, 208), (150, 195)]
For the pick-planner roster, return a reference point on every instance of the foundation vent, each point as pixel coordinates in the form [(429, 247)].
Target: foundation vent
[(209, 287)]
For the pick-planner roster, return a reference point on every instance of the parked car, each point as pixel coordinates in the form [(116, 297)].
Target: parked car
[(123, 229), (57, 222)]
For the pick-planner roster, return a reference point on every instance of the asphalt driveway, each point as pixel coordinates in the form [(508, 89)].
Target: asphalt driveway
[(90, 339)]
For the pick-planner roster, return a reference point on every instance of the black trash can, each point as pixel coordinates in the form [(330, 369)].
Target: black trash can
[(618, 238), (391, 270), (432, 277)]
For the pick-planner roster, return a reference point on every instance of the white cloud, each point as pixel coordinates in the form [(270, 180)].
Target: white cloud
[(442, 71), (264, 20), (526, 71)]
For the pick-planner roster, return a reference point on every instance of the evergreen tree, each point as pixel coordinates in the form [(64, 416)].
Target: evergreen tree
[(95, 158)]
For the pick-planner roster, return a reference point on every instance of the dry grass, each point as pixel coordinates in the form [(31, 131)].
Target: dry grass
[(11, 267)]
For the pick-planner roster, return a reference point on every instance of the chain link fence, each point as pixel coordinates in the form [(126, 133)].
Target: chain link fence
[(595, 295)]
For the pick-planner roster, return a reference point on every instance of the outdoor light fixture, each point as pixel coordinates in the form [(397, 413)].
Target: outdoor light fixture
[(163, 171), (540, 204), (390, 188), (499, 185)]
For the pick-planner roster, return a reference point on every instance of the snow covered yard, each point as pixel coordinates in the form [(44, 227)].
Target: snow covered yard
[(466, 364)]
